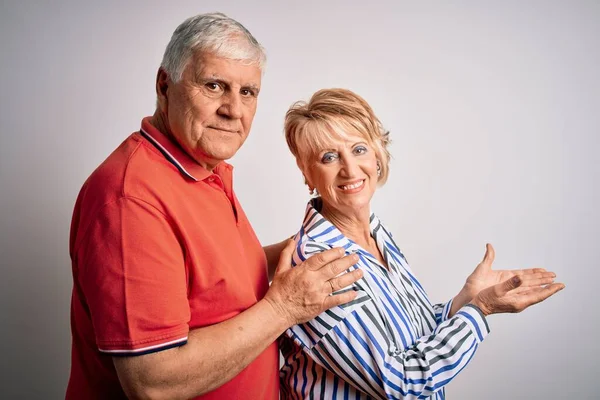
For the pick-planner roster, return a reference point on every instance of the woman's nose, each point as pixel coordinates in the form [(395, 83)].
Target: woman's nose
[(349, 167)]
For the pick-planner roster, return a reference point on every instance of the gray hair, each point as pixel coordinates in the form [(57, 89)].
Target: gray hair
[(214, 32)]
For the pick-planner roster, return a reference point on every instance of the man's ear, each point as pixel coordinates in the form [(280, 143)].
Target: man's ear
[(162, 85)]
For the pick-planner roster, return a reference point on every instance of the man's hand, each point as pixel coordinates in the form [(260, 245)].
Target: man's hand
[(516, 294), (301, 293)]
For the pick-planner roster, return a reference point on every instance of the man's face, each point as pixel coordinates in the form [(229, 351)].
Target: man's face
[(209, 112)]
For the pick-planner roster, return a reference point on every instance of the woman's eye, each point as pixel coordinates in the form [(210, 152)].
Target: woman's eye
[(328, 157), (360, 150)]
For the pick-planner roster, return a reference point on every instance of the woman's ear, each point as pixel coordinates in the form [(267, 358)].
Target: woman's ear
[(300, 165)]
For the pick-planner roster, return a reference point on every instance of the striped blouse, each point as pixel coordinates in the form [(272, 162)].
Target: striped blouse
[(388, 343)]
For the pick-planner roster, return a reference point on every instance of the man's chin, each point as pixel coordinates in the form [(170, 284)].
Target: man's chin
[(215, 157)]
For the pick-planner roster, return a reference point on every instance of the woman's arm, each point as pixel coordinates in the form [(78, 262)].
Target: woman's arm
[(360, 350), (355, 342)]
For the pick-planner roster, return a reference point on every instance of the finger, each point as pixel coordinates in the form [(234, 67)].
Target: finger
[(339, 299), (508, 285), (317, 261), (529, 271), (285, 256), (540, 294), (490, 254), (520, 291), (545, 278), (488, 258), (336, 267), (536, 275), (345, 280)]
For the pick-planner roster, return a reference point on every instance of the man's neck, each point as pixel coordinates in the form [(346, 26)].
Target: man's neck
[(159, 121)]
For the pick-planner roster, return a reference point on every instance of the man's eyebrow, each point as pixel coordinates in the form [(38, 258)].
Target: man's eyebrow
[(220, 79), (214, 78), (252, 86)]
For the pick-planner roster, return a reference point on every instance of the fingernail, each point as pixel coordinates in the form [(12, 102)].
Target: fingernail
[(516, 280)]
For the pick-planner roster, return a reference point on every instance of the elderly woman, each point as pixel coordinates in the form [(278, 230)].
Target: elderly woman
[(390, 342)]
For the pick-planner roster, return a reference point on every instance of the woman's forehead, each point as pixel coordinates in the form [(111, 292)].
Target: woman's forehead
[(348, 140), (334, 136)]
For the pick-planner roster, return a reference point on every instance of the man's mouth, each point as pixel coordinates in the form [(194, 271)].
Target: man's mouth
[(228, 130)]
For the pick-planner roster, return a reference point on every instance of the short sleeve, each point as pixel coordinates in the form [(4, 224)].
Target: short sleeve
[(131, 272)]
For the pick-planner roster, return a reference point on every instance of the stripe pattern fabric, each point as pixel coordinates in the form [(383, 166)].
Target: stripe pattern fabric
[(388, 343)]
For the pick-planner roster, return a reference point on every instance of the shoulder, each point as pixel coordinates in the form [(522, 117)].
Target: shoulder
[(306, 247), (134, 169), (127, 175)]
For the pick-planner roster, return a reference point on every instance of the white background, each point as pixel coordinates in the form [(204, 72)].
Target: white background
[(493, 107)]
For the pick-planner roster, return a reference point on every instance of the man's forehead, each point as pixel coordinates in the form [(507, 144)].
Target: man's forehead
[(209, 66)]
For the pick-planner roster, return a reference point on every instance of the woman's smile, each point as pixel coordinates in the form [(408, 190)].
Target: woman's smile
[(352, 187)]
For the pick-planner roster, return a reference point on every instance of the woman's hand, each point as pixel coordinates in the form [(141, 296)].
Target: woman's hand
[(484, 277), (516, 294)]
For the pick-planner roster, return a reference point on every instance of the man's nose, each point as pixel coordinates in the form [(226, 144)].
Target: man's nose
[(231, 106)]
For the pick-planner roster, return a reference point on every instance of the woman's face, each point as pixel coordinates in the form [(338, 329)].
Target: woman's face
[(345, 174)]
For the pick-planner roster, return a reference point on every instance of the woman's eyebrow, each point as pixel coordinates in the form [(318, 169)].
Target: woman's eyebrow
[(330, 150)]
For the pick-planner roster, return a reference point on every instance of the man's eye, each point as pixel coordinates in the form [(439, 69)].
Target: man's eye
[(213, 86), (247, 93)]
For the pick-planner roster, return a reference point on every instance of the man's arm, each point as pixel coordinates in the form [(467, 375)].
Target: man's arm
[(212, 356), (272, 252), (215, 354)]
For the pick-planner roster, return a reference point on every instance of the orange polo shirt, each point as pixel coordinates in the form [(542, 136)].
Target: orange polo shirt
[(159, 246)]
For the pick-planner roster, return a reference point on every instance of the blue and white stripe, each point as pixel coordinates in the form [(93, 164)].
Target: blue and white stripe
[(388, 343)]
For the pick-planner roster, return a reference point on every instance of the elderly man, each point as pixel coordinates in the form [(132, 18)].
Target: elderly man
[(171, 296)]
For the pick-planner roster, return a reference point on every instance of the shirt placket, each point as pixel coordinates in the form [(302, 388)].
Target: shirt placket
[(417, 322), (216, 182)]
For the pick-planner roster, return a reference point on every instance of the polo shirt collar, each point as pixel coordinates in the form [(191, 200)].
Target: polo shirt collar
[(180, 159)]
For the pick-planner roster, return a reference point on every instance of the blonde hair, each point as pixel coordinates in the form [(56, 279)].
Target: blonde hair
[(332, 114)]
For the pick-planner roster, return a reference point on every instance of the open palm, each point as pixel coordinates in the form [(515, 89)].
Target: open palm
[(484, 276)]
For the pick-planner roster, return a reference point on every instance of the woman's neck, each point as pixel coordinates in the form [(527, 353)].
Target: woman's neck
[(355, 226)]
